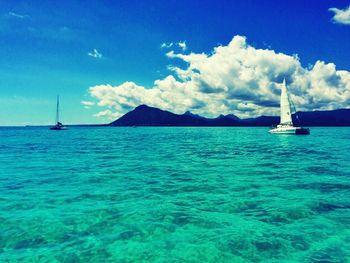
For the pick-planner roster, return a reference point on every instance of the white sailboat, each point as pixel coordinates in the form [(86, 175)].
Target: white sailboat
[(58, 126), (286, 125)]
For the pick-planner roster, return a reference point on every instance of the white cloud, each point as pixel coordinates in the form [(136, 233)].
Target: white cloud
[(236, 78), (341, 16), (87, 104), (16, 15), (166, 45), (180, 44), (95, 54), (110, 115)]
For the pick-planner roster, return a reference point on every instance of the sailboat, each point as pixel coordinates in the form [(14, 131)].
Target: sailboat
[(286, 125), (58, 126)]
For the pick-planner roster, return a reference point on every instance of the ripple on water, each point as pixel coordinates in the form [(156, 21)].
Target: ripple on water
[(174, 195)]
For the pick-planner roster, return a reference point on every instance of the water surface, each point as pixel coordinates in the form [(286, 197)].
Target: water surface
[(174, 195)]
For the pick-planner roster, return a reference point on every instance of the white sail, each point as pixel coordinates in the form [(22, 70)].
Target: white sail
[(286, 115), (286, 125)]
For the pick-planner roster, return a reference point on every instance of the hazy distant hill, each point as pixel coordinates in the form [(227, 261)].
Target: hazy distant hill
[(144, 115)]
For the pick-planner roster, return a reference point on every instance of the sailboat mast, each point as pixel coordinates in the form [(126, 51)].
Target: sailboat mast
[(57, 109)]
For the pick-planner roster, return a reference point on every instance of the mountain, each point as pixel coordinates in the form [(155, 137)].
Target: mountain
[(148, 116), (262, 121), (339, 117), (144, 115)]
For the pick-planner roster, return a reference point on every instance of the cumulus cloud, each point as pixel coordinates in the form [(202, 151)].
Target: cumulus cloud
[(95, 54), (234, 78), (341, 16)]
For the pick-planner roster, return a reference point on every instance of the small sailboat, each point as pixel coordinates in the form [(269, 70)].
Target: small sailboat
[(58, 126), (286, 125)]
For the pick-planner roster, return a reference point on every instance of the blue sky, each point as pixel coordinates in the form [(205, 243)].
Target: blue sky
[(45, 45)]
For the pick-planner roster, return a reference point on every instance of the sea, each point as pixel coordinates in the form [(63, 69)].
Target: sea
[(174, 194)]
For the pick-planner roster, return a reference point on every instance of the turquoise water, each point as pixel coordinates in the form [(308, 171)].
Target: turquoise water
[(174, 195)]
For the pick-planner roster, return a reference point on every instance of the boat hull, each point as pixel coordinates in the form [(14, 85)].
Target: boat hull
[(58, 128), (290, 130), (302, 131)]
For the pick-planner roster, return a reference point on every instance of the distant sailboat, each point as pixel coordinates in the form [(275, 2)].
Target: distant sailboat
[(286, 124), (58, 126)]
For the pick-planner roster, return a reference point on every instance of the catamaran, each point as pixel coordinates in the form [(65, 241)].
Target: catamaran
[(58, 126), (286, 125)]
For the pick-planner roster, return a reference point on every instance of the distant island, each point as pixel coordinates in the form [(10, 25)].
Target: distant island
[(144, 115)]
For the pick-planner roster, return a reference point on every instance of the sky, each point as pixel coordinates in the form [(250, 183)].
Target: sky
[(209, 57)]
